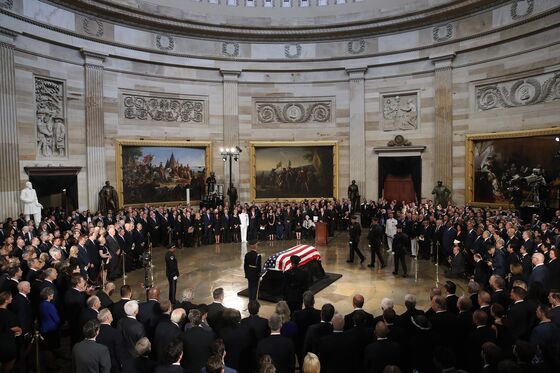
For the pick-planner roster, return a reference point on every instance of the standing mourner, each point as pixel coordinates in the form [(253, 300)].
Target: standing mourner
[(172, 271), (375, 236), (295, 284), (252, 267), (401, 243), (355, 232)]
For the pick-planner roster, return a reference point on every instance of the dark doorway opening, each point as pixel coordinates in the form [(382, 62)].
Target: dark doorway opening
[(55, 186), (400, 178)]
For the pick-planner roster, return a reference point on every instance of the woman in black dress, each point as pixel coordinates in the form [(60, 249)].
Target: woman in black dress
[(197, 230), (217, 227), (271, 227), (298, 220), (235, 226), (105, 257), (8, 333)]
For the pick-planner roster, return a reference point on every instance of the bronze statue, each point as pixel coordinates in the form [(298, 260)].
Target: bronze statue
[(441, 194), (354, 196), (108, 198), (232, 194), (211, 183)]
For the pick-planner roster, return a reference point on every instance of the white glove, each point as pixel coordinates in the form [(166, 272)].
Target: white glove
[(175, 277)]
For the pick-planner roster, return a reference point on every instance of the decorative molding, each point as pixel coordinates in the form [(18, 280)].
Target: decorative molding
[(92, 26), (389, 151), (442, 32), (7, 4), (514, 10), (294, 110), (165, 42), (356, 73), (50, 118), (399, 140), (290, 53), (443, 62), (400, 111), (92, 58), (230, 49), (522, 92), (52, 170), (356, 46), (163, 108)]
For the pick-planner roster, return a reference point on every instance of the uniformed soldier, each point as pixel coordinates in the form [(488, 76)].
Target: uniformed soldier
[(252, 267), (401, 244), (296, 282), (355, 231), (375, 236), (172, 271)]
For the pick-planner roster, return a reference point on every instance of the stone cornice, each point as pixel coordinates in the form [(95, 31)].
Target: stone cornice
[(7, 37), (93, 58), (142, 19)]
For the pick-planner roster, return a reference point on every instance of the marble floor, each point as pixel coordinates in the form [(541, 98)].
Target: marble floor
[(212, 266)]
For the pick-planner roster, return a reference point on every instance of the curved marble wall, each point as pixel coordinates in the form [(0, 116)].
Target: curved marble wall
[(436, 70)]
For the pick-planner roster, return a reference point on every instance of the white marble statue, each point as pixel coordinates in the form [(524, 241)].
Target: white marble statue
[(31, 205)]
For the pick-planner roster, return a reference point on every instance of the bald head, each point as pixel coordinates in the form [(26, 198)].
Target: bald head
[(153, 293), (381, 330)]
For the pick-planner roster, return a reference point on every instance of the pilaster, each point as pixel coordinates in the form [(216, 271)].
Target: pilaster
[(231, 122), (357, 136)]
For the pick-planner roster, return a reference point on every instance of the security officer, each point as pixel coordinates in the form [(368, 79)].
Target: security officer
[(172, 271), (355, 231), (401, 244), (375, 236), (252, 267), (296, 282)]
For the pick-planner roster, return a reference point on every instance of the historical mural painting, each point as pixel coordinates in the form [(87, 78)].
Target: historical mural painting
[(293, 170), (161, 172)]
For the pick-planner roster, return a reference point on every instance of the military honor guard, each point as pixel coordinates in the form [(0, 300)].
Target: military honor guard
[(172, 271), (252, 267), (355, 231), (296, 282)]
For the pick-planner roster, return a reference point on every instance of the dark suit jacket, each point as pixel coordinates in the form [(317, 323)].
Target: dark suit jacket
[(117, 309), (404, 320), (349, 321), (109, 337), (555, 315), (554, 274), (314, 335), (239, 342), (89, 356), (444, 324), (130, 330), (476, 339), (379, 354), (74, 303), (501, 297), (148, 315), (169, 369), (165, 332), (257, 325), (451, 301), (281, 350), (105, 300), (214, 317), (21, 307), (196, 348), (521, 318), (337, 353), (539, 274), (86, 315), (139, 365), (304, 319)]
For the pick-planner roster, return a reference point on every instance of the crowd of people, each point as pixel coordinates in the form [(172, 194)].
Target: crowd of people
[(56, 282)]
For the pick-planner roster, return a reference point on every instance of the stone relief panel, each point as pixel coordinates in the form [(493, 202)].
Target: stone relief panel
[(399, 111), (165, 42), (50, 117), (522, 92), (293, 110), (292, 50), (356, 46), (7, 4), (522, 8), (230, 49), (442, 33), (92, 26), (146, 106)]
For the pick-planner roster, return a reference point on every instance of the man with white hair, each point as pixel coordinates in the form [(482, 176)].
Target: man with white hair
[(404, 320), (186, 300), (21, 307), (386, 303), (108, 336), (168, 330), (540, 272), (91, 311), (130, 329)]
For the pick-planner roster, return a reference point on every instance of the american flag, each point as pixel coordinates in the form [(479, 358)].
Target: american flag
[(281, 260)]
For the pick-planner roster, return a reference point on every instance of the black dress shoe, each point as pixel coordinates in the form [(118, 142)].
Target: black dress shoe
[(349, 261), (395, 273), (371, 266), (362, 260), (404, 275), (383, 266)]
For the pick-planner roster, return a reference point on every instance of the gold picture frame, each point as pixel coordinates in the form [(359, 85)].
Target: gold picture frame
[(120, 143), (253, 149), (470, 144)]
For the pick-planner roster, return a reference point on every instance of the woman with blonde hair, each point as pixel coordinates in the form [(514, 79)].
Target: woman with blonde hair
[(289, 328), (311, 363)]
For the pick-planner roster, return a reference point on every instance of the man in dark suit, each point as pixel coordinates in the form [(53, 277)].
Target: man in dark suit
[(295, 283), (11, 283), (83, 255), (554, 299), (166, 331), (171, 271), (499, 295), (451, 298), (94, 258), (74, 303), (304, 318), (196, 343), (375, 237), (496, 261), (238, 341), (149, 312), (540, 272), (256, 324), (114, 247), (117, 308), (401, 245), (252, 268), (130, 330), (457, 262), (480, 335), (89, 356), (521, 314), (357, 303), (173, 355), (448, 237), (215, 309), (91, 310), (317, 331), (545, 336), (404, 320), (354, 240), (443, 322), (142, 362), (279, 348), (21, 307), (109, 337), (337, 351), (381, 352), (553, 266)]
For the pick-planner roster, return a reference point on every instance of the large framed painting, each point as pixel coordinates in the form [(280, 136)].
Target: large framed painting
[(294, 170), (513, 168), (160, 172)]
